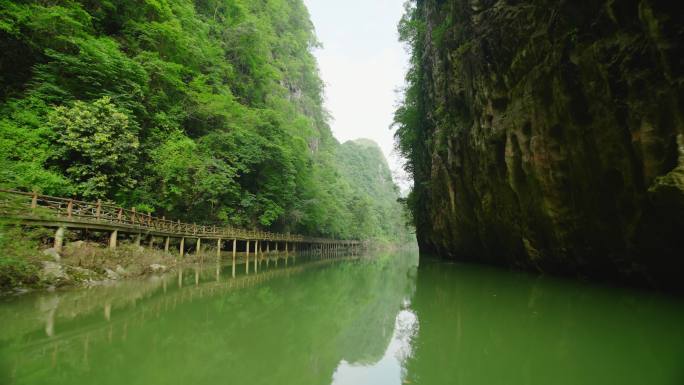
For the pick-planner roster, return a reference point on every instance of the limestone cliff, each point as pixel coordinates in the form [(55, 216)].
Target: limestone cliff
[(552, 134)]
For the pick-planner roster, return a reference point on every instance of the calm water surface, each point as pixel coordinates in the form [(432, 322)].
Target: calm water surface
[(379, 320)]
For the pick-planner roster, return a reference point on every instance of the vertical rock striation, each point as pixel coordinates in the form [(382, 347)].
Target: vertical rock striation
[(553, 132)]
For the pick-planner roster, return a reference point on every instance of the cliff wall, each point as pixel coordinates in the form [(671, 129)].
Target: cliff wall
[(552, 132)]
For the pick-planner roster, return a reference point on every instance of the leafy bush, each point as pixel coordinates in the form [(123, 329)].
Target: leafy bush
[(19, 264)]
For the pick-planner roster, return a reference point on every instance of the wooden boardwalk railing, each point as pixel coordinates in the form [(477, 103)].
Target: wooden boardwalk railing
[(63, 213)]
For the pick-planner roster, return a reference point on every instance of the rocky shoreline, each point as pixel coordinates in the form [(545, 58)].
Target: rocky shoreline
[(86, 264)]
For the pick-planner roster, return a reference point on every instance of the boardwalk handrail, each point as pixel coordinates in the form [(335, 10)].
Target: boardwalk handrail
[(27, 205)]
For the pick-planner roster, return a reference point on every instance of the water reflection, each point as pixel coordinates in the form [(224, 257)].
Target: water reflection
[(377, 320), (298, 321), (487, 326), (390, 368)]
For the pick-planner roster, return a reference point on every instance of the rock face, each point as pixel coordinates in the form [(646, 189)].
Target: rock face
[(52, 253), (111, 274), (157, 268), (555, 135), (53, 271)]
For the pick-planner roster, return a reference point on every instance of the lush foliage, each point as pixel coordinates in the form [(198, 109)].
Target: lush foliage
[(205, 110), (373, 195), (410, 118), (19, 265), (96, 146)]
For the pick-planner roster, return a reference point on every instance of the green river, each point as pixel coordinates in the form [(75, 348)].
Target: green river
[(386, 319)]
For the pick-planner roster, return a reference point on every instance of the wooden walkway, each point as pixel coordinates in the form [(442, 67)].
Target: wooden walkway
[(61, 213)]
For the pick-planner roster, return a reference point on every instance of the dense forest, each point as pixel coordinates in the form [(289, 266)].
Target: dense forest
[(374, 194), (547, 135), (205, 110)]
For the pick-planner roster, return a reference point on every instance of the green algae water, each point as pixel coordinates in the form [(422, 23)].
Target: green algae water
[(375, 320)]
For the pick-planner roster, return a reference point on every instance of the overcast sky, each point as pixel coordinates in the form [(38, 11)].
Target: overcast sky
[(362, 64)]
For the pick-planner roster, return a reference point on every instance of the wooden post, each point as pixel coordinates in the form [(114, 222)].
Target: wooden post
[(256, 256), (98, 209), (268, 252), (59, 239), (199, 246), (182, 247), (137, 239), (151, 244), (34, 200), (247, 259), (113, 238), (234, 252), (218, 248), (70, 207), (166, 244), (133, 216)]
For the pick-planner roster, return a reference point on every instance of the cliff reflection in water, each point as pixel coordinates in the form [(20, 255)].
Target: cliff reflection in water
[(480, 325)]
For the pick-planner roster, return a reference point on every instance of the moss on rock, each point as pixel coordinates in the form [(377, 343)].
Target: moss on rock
[(552, 135)]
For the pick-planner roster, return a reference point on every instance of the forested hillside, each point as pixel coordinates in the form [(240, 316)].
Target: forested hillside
[(373, 193), (206, 110)]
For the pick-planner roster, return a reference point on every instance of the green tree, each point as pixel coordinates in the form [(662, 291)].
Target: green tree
[(98, 146)]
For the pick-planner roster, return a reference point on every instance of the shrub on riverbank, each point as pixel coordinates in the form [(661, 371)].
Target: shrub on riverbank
[(19, 258), (16, 272)]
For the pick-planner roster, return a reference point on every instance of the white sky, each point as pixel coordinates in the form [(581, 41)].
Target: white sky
[(362, 64)]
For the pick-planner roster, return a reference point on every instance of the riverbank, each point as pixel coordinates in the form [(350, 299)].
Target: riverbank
[(27, 264)]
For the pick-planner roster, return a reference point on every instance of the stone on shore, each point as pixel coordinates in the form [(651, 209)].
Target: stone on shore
[(52, 253)]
